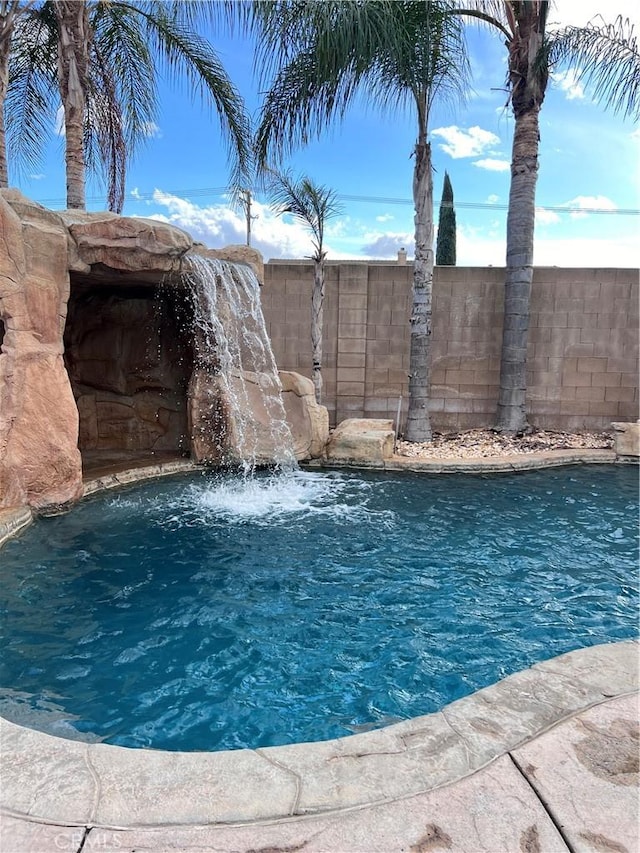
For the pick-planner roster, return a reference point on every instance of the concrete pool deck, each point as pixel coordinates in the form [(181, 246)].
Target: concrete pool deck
[(545, 760)]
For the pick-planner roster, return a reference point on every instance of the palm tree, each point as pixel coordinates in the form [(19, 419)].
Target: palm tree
[(9, 11), (313, 205), (74, 36), (399, 53), (608, 58), (109, 54)]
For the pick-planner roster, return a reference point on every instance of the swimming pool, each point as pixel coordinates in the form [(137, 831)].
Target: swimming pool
[(213, 612)]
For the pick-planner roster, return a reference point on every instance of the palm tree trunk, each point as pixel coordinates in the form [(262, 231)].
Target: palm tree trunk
[(418, 424), (511, 413), (73, 63), (8, 13), (317, 310), (4, 79)]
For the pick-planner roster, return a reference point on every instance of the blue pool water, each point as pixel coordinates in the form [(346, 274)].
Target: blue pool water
[(213, 612)]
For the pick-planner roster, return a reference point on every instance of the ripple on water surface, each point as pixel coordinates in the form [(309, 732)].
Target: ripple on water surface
[(215, 612)]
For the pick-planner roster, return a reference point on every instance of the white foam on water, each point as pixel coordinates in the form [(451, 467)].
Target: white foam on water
[(277, 497)]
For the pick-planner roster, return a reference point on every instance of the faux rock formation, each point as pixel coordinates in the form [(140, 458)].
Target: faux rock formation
[(39, 458), (627, 439), (237, 255), (128, 244), (308, 422), (124, 375), (361, 441)]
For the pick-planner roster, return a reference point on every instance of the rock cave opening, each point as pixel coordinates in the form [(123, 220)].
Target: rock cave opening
[(129, 359), (1, 332)]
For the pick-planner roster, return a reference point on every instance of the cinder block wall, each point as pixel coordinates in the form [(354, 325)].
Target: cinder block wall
[(583, 341)]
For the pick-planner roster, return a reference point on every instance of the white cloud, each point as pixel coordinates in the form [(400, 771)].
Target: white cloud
[(582, 204), (567, 82), (386, 217), (476, 248), (546, 217), (37, 177), (493, 199), (387, 246), (567, 12), (493, 165), (587, 252), (466, 143), (218, 225)]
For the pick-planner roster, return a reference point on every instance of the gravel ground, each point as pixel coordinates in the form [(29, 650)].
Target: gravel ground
[(481, 443)]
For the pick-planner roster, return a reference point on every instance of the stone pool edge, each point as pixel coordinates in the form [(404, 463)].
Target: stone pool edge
[(502, 463), (15, 519), (53, 780)]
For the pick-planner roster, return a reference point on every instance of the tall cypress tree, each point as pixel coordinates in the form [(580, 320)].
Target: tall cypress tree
[(446, 243)]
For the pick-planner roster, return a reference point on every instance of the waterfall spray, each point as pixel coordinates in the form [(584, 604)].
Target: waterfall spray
[(235, 370)]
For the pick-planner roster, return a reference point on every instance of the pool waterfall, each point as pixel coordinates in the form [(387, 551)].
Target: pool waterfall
[(175, 365), (235, 369)]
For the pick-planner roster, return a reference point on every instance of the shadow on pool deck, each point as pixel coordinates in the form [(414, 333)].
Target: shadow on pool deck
[(545, 760)]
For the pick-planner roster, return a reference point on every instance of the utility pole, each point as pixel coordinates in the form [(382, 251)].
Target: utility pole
[(245, 201)]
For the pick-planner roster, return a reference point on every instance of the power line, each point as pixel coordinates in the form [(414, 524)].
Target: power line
[(148, 196), (366, 199), (480, 205)]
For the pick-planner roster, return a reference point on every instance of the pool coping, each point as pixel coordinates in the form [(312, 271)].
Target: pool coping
[(15, 519), (501, 463), (48, 779)]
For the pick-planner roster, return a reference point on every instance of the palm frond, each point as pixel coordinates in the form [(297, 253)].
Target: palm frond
[(105, 143), (120, 49), (32, 94), (496, 14), (310, 203), (398, 53), (606, 59), (185, 54)]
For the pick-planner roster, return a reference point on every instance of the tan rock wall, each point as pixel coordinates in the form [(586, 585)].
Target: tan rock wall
[(143, 378), (237, 255), (129, 362), (308, 422), (583, 346), (39, 459)]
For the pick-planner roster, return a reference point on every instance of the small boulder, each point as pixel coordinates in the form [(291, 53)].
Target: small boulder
[(362, 441), (627, 439)]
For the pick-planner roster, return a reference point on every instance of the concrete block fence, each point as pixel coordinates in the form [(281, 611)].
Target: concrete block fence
[(583, 341)]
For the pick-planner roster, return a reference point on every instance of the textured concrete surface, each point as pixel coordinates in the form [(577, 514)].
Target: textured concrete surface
[(508, 462), (586, 773), (545, 760)]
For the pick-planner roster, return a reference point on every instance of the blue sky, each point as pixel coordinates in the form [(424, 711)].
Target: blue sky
[(589, 159)]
